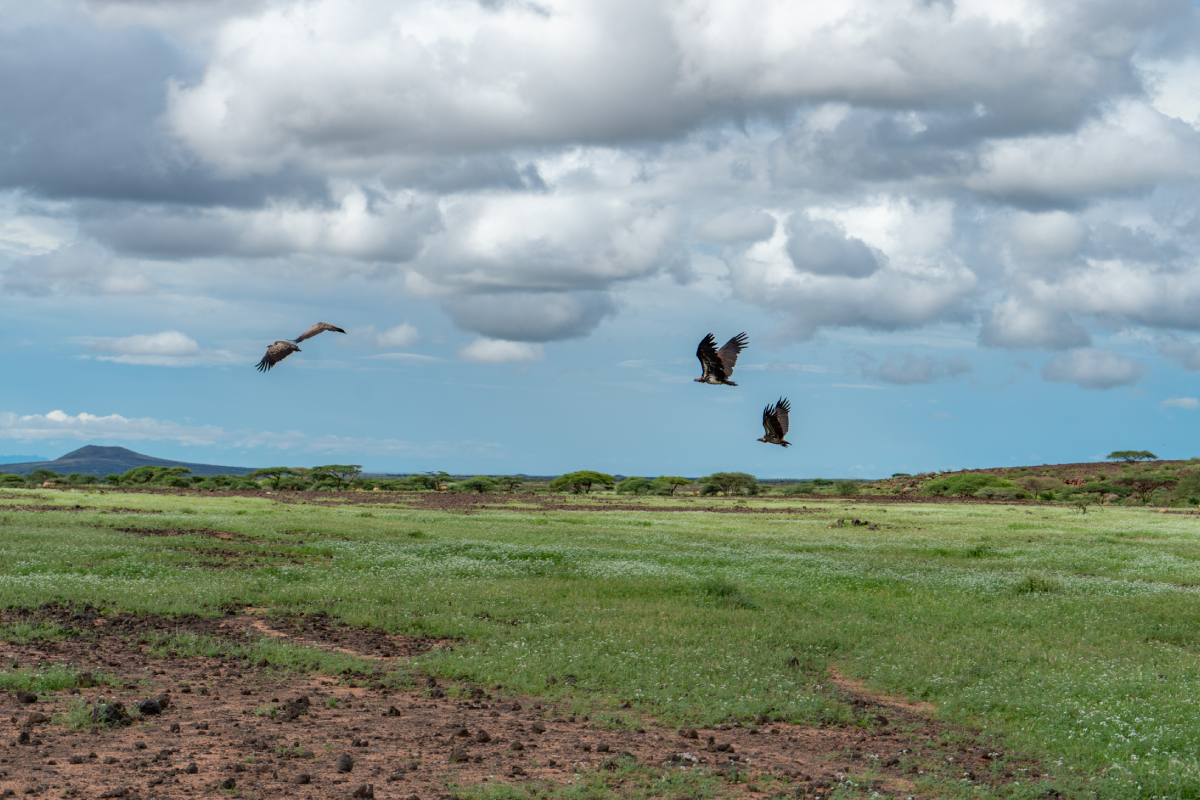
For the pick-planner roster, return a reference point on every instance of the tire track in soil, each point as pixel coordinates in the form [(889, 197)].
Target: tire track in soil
[(402, 743)]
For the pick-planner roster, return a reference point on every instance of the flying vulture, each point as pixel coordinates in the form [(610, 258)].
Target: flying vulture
[(276, 353), (718, 364), (320, 327), (775, 422)]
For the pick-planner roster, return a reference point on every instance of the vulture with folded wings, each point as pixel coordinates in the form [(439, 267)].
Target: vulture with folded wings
[(775, 423), (320, 327), (276, 353), (718, 364)]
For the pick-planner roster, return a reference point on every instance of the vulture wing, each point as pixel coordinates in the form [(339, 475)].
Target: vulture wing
[(710, 359), (729, 353), (781, 416), (320, 327), (769, 421), (276, 353)]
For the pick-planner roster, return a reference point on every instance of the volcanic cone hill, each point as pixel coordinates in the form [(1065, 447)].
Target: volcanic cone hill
[(94, 460)]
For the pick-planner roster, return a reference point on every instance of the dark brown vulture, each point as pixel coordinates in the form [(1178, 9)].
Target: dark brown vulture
[(718, 364), (276, 353), (320, 327), (775, 423)]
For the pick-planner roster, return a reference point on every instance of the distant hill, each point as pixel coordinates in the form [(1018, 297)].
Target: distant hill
[(101, 461), (21, 459)]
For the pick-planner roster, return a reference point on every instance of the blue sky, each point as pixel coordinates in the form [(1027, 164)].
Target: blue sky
[(957, 234)]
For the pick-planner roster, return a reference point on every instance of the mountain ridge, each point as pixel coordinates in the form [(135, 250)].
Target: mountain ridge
[(100, 461)]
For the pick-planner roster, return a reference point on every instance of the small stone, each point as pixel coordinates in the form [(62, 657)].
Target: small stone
[(303, 778), (23, 737), (110, 760), (392, 712), (538, 727), (174, 727), (517, 747), (263, 663), (228, 783), (689, 733), (75, 760), (460, 732), (192, 769), (458, 755), (601, 748), (26, 697), (366, 790), (36, 718), (483, 737), (345, 763), (139, 745)]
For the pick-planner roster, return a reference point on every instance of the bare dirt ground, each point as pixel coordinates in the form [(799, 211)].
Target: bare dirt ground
[(231, 724)]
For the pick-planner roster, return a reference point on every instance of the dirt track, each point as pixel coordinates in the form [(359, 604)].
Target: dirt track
[(250, 724)]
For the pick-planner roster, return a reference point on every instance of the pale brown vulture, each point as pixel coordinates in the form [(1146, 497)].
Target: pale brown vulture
[(320, 327), (775, 423), (276, 353), (718, 364)]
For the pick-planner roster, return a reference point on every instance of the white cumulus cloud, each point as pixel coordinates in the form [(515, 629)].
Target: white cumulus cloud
[(163, 349), (368, 336), (1090, 368), (61, 425), (499, 351)]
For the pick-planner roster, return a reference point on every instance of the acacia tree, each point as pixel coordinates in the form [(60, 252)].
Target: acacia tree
[(581, 482), (341, 474), (672, 482), (731, 482), (509, 483), (274, 472), (479, 484), (1131, 456), (1144, 486)]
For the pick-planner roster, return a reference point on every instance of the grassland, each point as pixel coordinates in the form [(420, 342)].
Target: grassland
[(1068, 638)]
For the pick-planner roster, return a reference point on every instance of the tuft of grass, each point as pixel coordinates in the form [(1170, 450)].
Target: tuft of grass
[(722, 593), (1037, 583), (26, 632), (43, 679)]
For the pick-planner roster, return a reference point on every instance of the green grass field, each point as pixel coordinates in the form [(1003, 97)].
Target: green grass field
[(1069, 638)]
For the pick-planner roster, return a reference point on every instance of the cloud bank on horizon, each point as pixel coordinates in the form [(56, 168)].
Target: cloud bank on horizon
[(1025, 173)]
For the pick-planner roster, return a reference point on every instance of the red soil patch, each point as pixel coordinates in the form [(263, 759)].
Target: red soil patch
[(248, 723)]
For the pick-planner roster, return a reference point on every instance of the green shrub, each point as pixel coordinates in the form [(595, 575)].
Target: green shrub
[(967, 485), (1002, 493), (635, 486), (1100, 487)]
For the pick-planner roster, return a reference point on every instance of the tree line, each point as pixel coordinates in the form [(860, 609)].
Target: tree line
[(342, 477)]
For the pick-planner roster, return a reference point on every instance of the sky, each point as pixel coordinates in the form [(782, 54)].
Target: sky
[(958, 233)]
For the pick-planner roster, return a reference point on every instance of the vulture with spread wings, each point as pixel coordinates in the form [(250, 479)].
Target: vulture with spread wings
[(718, 364), (320, 327), (276, 353), (775, 423)]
